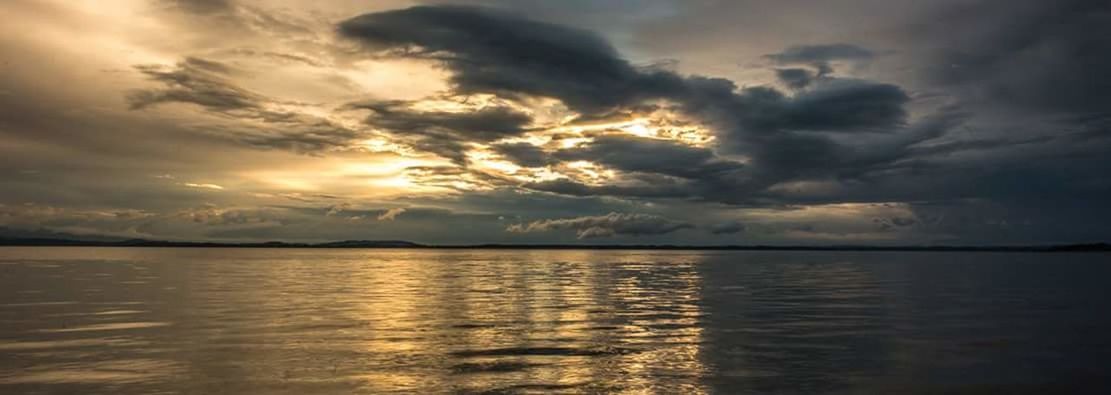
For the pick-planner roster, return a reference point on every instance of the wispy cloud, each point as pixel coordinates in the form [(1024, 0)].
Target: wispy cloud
[(612, 224), (203, 186), (391, 214)]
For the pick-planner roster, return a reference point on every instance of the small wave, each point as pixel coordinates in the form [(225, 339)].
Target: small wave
[(492, 367), (108, 327), (532, 351), (473, 326)]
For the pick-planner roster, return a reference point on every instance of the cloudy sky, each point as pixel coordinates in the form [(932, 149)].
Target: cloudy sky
[(626, 121)]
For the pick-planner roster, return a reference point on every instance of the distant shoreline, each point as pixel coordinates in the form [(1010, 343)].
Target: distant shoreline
[(398, 244)]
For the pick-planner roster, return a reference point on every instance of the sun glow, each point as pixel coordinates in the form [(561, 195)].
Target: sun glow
[(400, 181), (661, 126), (573, 142), (639, 127), (588, 172), (381, 144), (290, 183), (405, 79), (383, 168)]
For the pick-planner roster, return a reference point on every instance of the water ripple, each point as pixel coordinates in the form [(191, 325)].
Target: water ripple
[(430, 321)]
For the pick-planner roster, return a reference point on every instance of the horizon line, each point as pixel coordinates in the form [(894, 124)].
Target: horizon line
[(401, 244)]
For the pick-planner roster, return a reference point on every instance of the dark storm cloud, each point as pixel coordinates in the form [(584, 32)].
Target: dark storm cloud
[(496, 52), (786, 157), (524, 154), (820, 56), (639, 154), (833, 105), (196, 81), (848, 105), (609, 225), (486, 124), (795, 78), (1040, 55), (209, 85), (869, 154), (1020, 157), (493, 52), (776, 132), (727, 228), (821, 53), (444, 133), (952, 147)]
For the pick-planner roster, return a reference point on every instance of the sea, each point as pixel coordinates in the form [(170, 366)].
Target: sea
[(100, 320)]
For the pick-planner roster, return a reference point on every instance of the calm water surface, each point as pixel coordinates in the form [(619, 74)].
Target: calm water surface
[(232, 321)]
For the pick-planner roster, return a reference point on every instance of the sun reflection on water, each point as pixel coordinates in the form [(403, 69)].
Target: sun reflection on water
[(288, 321)]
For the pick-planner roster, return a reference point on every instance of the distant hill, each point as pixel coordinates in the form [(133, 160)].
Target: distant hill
[(369, 244), (63, 240), (43, 234), (1082, 247), (110, 242)]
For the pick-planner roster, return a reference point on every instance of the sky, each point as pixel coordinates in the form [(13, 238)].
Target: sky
[(880, 122)]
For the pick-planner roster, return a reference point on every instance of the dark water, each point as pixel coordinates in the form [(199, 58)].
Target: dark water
[(231, 321)]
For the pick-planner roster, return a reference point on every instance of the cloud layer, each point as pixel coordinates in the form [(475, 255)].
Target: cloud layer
[(608, 225), (963, 122)]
